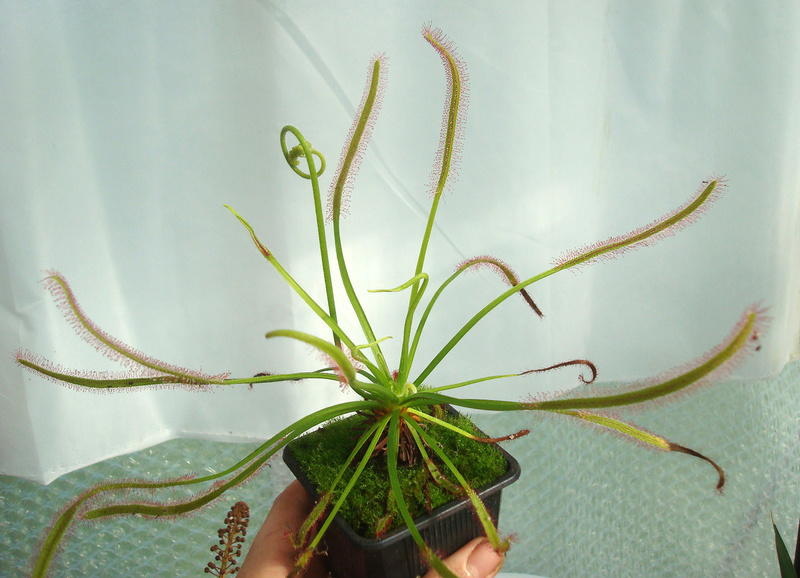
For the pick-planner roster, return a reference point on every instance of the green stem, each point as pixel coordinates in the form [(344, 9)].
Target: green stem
[(438, 477), (480, 509), (405, 360), (383, 372), (440, 422), (393, 444), (470, 382), (321, 313), (313, 175), (425, 397), (406, 369), (376, 431), (319, 374)]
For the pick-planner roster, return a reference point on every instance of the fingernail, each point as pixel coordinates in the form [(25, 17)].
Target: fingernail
[(483, 561)]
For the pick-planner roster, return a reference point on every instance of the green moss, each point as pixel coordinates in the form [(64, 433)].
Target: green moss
[(321, 454)]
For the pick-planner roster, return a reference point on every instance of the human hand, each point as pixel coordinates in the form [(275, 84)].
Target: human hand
[(272, 556)]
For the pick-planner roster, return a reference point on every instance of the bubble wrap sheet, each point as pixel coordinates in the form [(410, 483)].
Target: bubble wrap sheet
[(587, 504)]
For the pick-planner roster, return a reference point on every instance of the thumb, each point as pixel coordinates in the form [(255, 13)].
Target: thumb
[(476, 559)]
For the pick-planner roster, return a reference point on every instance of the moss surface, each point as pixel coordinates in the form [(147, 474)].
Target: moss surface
[(322, 453)]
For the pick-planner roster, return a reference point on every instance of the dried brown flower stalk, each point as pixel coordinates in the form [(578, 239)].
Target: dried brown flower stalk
[(231, 538)]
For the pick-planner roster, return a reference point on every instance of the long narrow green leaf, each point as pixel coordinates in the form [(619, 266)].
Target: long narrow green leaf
[(665, 225), (268, 448), (98, 383), (410, 349), (587, 364), (440, 422), (175, 509), (280, 441), (446, 158), (624, 428), (421, 277), (329, 349), (471, 382), (270, 257), (359, 136), (108, 345), (133, 382), (641, 435), (279, 377), (656, 230), (784, 559), (741, 337), (365, 390)]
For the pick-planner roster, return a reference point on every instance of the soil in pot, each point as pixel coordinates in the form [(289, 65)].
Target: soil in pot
[(368, 508)]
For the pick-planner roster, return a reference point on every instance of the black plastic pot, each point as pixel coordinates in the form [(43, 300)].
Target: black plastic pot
[(396, 555)]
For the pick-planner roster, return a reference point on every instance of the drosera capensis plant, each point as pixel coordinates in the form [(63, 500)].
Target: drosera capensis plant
[(395, 399)]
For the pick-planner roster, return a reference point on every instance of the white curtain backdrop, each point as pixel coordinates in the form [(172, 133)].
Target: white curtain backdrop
[(125, 126)]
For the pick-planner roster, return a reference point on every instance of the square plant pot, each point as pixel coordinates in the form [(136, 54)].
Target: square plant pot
[(396, 555)]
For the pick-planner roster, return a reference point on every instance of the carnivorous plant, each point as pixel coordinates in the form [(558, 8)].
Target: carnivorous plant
[(392, 393)]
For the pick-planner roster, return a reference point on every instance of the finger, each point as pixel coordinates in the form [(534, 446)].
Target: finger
[(477, 559)]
